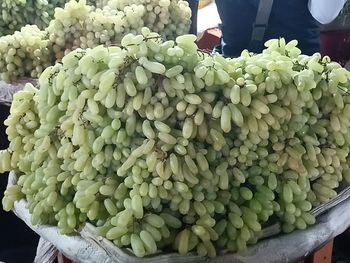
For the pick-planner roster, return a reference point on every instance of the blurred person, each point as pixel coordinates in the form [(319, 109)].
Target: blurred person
[(248, 24)]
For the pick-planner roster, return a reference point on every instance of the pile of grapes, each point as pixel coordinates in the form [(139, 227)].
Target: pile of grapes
[(15, 14), (165, 148), (26, 53), (78, 25)]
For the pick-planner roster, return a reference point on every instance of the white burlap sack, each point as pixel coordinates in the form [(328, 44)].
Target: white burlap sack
[(85, 247)]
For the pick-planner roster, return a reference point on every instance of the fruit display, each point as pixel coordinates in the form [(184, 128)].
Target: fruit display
[(164, 148), (80, 25)]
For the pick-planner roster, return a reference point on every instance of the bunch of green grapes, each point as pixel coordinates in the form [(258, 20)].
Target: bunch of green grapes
[(80, 25), (179, 15), (22, 124), (108, 25), (67, 27), (97, 3), (18, 13), (12, 16), (25, 53), (169, 18), (164, 148)]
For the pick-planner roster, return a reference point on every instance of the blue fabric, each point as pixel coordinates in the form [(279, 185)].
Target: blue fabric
[(290, 19), (194, 7)]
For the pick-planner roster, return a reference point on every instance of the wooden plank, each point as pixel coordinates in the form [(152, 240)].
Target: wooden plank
[(209, 39), (323, 255), (62, 259)]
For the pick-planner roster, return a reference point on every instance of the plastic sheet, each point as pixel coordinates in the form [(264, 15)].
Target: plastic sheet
[(85, 247), (341, 23), (7, 90)]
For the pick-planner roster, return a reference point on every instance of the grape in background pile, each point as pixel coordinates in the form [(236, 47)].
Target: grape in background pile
[(79, 25), (108, 25), (67, 27), (161, 146), (97, 3), (40, 12), (25, 53), (15, 14), (12, 17), (18, 13), (168, 18)]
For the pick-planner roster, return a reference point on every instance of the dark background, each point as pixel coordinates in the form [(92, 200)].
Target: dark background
[(17, 241)]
